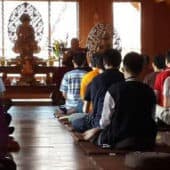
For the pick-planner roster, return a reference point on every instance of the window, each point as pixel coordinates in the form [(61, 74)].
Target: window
[(59, 22), (127, 23), (62, 27)]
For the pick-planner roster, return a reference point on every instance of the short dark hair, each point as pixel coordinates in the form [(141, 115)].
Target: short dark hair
[(133, 62), (168, 57), (97, 60), (79, 58), (75, 39), (159, 61), (93, 60), (112, 57)]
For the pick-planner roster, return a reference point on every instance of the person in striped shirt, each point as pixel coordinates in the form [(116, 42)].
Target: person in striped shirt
[(70, 85)]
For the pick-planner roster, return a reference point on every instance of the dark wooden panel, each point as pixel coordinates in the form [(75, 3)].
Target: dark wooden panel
[(29, 92), (37, 69)]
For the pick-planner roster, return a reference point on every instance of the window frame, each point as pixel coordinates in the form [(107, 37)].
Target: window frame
[(2, 43)]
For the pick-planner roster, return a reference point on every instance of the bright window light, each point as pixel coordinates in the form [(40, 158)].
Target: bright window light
[(60, 23), (127, 22)]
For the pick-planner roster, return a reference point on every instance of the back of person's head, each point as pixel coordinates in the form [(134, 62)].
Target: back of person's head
[(112, 58), (99, 61), (133, 63), (93, 60), (168, 57), (74, 43), (159, 61), (79, 59)]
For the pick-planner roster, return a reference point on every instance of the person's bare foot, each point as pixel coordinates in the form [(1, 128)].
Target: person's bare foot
[(58, 113), (63, 118), (89, 134)]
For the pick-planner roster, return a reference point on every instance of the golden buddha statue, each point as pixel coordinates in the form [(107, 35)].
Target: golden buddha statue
[(25, 45)]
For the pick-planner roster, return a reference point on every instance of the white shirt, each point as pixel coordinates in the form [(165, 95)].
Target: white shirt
[(108, 108), (166, 87)]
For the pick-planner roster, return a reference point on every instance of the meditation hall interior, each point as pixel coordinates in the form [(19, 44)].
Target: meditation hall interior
[(84, 84)]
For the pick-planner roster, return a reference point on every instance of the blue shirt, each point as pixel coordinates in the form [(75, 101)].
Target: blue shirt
[(2, 87), (70, 85)]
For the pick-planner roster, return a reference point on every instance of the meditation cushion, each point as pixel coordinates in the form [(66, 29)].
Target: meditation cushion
[(148, 160)]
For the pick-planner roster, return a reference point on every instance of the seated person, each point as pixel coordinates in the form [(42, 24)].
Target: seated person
[(127, 119), (162, 109), (3, 133), (68, 56), (163, 113), (97, 88), (5, 104), (166, 92), (2, 88), (97, 67), (97, 61), (70, 86), (158, 65)]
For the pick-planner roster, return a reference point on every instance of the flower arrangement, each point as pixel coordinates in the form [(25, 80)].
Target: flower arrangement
[(58, 47), (2, 61)]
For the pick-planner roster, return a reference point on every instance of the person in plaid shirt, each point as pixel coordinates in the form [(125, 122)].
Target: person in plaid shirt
[(70, 85)]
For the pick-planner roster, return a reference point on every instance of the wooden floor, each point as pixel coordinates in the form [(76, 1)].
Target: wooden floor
[(45, 144)]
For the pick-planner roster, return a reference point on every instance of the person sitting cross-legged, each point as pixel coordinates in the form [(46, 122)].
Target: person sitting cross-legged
[(6, 103), (97, 68), (127, 120), (96, 64), (70, 52), (161, 88), (158, 65), (70, 86), (97, 88)]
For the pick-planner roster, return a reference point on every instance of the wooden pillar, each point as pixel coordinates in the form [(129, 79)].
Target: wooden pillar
[(162, 27), (91, 12), (148, 27)]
